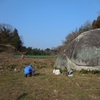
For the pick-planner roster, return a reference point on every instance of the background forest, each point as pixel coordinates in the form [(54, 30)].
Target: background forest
[(10, 36)]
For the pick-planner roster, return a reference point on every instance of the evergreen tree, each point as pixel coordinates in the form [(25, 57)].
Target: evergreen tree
[(96, 23), (9, 36), (15, 40)]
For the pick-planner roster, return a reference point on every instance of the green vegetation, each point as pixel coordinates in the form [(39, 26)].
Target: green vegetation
[(96, 23), (10, 36), (89, 71), (37, 56)]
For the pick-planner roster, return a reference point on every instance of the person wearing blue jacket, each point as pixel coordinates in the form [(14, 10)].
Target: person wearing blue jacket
[(29, 70)]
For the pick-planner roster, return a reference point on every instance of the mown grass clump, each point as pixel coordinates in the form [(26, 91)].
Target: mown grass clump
[(89, 71)]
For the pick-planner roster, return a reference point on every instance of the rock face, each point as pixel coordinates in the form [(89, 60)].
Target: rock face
[(82, 53)]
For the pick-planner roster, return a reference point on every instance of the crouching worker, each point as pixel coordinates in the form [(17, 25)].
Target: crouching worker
[(29, 70)]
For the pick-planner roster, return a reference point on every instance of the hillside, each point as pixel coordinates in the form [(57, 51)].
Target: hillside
[(6, 48)]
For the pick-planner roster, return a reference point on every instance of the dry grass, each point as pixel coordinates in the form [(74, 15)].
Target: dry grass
[(45, 85)]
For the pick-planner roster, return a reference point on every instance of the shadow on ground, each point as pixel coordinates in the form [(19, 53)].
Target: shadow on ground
[(38, 74)]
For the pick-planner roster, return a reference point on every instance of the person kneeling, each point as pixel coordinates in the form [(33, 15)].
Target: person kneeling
[(29, 70)]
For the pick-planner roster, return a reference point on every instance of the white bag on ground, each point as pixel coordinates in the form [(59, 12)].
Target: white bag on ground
[(56, 71)]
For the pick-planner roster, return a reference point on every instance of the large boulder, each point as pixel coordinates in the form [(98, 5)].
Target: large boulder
[(82, 53)]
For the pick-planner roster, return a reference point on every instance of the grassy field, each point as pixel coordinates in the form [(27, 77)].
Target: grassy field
[(44, 85), (37, 56)]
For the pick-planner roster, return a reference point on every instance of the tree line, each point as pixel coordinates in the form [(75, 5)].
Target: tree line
[(10, 35), (86, 27)]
